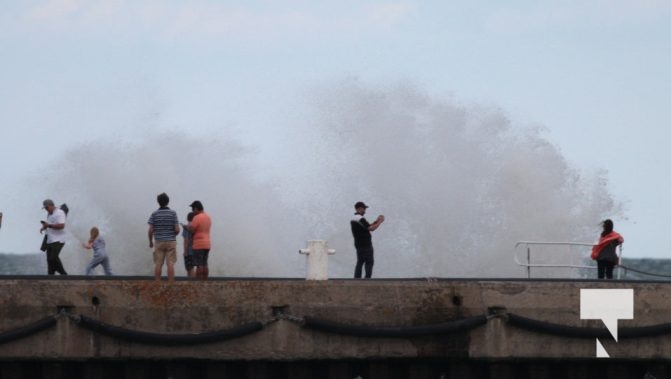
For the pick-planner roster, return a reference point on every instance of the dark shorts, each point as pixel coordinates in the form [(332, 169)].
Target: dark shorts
[(200, 257), (188, 262)]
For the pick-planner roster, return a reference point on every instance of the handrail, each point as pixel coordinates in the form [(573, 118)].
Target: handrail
[(529, 265), (552, 243)]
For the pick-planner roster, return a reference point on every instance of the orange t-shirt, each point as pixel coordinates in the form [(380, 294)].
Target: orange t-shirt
[(201, 231)]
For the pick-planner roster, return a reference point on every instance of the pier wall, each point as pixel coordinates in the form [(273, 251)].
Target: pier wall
[(193, 307)]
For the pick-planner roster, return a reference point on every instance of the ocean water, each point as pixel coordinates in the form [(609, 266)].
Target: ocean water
[(661, 268), (650, 269), (23, 264)]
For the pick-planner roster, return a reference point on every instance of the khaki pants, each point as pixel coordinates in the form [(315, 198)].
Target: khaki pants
[(165, 251)]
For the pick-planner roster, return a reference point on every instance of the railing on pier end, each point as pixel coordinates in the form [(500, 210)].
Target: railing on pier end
[(586, 246)]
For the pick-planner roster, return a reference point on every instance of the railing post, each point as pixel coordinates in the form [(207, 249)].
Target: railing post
[(529, 262), (619, 262)]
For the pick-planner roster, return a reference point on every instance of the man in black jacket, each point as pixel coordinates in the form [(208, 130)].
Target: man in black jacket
[(363, 243)]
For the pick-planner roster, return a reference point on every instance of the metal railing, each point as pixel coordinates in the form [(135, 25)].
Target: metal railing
[(529, 264)]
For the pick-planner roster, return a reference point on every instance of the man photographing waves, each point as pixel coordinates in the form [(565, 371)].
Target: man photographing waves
[(363, 243)]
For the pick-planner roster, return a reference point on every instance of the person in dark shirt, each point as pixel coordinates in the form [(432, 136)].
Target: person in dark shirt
[(188, 248), (363, 243)]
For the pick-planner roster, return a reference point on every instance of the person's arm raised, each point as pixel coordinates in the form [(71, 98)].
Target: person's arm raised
[(377, 223)]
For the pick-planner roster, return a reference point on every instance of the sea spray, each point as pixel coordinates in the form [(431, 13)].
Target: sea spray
[(114, 185), (459, 185)]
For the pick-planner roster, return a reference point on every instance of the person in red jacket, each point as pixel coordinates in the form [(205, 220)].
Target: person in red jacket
[(605, 251)]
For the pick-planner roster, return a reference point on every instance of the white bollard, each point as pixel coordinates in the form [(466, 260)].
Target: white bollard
[(317, 259)]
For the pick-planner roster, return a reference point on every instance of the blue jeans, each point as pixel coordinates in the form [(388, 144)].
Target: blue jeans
[(99, 260)]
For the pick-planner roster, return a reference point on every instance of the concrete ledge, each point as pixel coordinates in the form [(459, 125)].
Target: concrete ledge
[(190, 307)]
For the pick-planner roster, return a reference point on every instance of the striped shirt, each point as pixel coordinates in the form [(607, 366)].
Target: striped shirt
[(164, 221)]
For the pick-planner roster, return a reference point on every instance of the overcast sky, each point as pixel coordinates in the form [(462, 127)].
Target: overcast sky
[(594, 74)]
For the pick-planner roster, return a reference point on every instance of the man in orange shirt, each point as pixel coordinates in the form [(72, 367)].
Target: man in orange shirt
[(200, 231)]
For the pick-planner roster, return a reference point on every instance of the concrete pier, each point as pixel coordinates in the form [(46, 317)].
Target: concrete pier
[(286, 348)]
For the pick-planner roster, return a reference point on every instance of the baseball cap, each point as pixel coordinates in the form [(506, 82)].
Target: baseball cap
[(47, 202), (360, 204)]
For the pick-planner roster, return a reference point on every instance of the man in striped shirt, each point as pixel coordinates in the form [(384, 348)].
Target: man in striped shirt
[(163, 228)]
